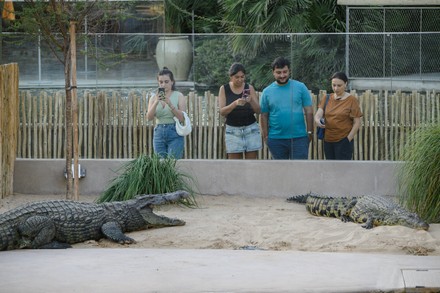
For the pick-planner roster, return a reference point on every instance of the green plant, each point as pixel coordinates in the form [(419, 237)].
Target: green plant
[(419, 176), (138, 45), (149, 175), (315, 58), (212, 61), (184, 16), (270, 23)]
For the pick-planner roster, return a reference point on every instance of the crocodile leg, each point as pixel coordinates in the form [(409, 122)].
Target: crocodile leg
[(113, 232), (369, 224), (36, 231), (346, 219)]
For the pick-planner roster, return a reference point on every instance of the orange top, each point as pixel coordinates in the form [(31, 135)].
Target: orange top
[(339, 116)]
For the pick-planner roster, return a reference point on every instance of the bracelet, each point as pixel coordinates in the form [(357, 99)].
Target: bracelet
[(309, 132)]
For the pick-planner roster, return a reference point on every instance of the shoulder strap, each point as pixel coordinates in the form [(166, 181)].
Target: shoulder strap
[(227, 87), (326, 101)]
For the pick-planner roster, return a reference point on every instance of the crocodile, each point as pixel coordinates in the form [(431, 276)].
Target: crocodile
[(368, 210), (55, 224)]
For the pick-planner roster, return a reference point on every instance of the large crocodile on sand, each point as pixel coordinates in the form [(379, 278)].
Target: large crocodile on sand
[(59, 223), (370, 211)]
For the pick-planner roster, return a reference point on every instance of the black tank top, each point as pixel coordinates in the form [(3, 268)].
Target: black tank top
[(241, 115)]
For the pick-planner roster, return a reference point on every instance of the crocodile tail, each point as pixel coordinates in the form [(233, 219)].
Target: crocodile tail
[(302, 198), (335, 207), (298, 198)]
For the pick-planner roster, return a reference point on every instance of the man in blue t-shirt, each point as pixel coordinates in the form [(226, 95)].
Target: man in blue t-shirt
[(283, 104)]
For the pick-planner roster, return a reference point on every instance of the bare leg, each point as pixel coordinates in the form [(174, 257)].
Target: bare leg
[(235, 156), (251, 155)]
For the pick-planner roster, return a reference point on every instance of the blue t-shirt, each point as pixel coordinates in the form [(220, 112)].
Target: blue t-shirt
[(285, 107)]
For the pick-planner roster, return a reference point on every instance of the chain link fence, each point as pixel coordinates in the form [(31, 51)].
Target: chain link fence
[(384, 48), (399, 43)]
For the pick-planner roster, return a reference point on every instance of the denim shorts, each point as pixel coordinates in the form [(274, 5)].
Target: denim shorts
[(243, 138), (166, 141)]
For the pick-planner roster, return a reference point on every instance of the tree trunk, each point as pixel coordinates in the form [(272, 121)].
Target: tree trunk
[(68, 125), (74, 110)]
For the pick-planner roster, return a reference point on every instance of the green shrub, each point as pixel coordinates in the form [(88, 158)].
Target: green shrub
[(214, 57), (419, 176), (149, 175)]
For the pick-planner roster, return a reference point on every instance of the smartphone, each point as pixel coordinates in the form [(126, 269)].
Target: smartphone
[(161, 93), (246, 93)]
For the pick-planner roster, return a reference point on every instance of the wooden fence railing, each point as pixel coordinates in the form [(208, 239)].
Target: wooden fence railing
[(115, 126)]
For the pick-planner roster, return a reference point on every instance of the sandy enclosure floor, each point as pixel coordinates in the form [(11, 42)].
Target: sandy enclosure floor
[(240, 222)]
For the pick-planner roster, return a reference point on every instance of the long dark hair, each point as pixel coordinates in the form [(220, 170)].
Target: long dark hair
[(166, 71)]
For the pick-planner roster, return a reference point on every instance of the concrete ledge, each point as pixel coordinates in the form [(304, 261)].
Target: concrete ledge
[(205, 270), (234, 177)]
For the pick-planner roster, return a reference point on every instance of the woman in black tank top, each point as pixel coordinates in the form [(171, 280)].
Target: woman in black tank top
[(238, 103)]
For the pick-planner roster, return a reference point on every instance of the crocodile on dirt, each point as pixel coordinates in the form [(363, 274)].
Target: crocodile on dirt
[(59, 223), (368, 210)]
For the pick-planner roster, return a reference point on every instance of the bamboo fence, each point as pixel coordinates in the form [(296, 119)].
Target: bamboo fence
[(113, 126), (8, 125)]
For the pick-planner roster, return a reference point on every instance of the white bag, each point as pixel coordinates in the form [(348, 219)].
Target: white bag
[(183, 130)]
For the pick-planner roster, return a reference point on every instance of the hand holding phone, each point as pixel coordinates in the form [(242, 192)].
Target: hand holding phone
[(246, 93), (161, 93)]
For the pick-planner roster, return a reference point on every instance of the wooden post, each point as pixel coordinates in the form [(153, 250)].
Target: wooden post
[(8, 126), (74, 110)]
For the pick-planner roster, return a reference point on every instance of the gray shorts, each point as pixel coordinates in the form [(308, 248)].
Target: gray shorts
[(243, 138)]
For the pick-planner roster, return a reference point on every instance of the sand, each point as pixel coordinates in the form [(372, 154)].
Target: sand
[(241, 222)]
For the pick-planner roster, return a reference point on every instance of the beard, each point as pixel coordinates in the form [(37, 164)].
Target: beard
[(282, 82)]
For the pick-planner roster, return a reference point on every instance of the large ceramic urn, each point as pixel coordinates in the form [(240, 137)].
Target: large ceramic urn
[(176, 54)]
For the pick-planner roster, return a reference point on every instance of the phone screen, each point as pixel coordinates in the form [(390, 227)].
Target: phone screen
[(161, 93), (246, 93)]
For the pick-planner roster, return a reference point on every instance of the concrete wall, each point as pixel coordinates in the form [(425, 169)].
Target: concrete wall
[(233, 177)]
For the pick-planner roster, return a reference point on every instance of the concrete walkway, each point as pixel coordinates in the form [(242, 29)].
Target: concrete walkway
[(199, 270)]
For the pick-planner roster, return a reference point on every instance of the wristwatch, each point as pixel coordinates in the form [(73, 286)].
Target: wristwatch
[(309, 132)]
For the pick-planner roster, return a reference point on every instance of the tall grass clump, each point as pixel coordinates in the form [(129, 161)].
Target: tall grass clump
[(149, 175), (419, 175)]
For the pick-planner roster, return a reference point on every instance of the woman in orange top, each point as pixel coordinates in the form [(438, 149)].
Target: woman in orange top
[(342, 119)]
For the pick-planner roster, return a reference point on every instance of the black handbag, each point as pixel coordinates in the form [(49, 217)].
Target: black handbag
[(321, 131)]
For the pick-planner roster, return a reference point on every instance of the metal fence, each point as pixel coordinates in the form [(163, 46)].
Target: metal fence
[(375, 60), (394, 43)]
